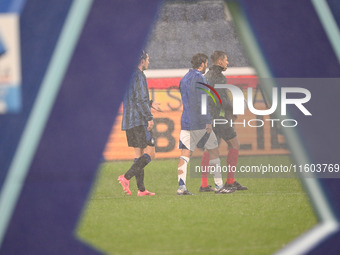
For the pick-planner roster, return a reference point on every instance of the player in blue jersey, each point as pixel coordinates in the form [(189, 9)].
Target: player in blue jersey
[(138, 124), (196, 128)]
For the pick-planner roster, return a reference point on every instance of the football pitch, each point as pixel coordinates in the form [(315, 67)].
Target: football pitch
[(262, 220)]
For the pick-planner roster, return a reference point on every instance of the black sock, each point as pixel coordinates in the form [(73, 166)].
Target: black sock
[(140, 178), (139, 164)]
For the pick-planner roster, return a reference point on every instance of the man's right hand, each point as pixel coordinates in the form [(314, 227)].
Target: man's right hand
[(150, 125), (208, 128)]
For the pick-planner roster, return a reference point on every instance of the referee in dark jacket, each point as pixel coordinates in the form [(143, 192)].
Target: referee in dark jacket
[(138, 124)]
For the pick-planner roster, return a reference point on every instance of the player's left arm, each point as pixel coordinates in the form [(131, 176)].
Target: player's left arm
[(227, 104), (142, 99)]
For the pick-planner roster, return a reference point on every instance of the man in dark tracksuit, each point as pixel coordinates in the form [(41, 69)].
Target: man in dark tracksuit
[(226, 132), (138, 123)]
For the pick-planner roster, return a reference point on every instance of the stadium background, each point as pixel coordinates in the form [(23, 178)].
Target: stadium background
[(180, 31)]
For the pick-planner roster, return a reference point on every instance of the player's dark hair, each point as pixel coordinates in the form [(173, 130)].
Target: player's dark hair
[(217, 55), (198, 59), (143, 55)]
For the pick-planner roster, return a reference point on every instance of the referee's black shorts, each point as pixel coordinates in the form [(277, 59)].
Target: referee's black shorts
[(139, 137), (225, 132)]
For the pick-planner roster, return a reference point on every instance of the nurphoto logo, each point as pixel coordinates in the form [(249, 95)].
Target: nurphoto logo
[(239, 104)]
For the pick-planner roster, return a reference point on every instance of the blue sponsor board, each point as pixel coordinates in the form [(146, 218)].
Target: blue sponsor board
[(10, 59)]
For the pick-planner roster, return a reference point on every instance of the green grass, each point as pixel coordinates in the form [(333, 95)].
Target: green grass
[(261, 220)]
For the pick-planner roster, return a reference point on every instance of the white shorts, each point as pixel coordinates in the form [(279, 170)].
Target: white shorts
[(191, 138)]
